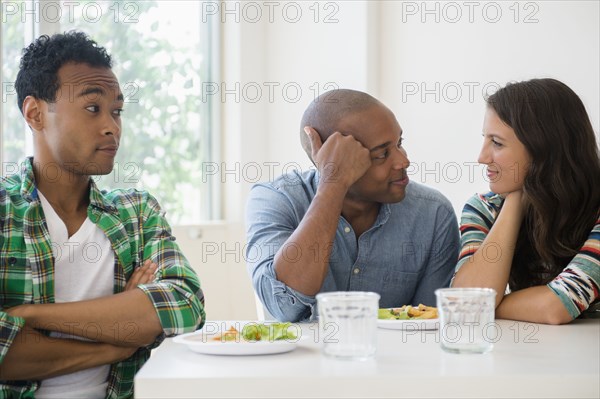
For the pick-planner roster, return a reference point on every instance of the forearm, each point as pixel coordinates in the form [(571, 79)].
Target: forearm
[(303, 261), (536, 304), (490, 265), (125, 319), (33, 356)]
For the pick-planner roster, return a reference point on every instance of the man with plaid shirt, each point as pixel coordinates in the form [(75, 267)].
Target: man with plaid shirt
[(90, 281)]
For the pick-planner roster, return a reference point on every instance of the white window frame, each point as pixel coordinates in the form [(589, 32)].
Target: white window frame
[(211, 195)]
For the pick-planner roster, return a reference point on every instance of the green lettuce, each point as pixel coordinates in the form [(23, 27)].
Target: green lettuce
[(269, 332), (390, 314)]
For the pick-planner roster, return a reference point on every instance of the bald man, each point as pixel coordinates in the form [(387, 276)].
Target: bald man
[(356, 223)]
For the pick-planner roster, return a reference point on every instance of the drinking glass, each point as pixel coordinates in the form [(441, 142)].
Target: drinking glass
[(467, 319), (348, 324)]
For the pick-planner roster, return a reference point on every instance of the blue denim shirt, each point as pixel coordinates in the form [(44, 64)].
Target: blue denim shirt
[(410, 251)]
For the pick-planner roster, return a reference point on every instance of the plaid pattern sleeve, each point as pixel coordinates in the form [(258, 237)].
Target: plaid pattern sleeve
[(9, 328), (137, 229), (13, 280), (176, 295)]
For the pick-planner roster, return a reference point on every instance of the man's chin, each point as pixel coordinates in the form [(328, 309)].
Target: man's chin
[(96, 169), (394, 198), (104, 173)]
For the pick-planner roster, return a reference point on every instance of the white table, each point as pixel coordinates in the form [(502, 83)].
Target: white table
[(529, 360)]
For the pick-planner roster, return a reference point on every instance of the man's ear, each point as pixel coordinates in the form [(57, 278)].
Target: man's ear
[(306, 144), (32, 112)]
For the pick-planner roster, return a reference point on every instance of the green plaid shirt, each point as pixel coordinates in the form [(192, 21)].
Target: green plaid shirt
[(135, 225)]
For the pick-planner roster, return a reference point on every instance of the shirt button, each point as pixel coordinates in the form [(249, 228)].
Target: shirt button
[(347, 229), (356, 271)]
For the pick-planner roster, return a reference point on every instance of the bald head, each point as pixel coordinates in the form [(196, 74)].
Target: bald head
[(326, 112)]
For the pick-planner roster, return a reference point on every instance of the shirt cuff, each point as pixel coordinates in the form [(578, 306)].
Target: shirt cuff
[(9, 328), (293, 305), (178, 311), (565, 299)]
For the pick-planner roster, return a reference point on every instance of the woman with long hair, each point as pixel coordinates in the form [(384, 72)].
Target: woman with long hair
[(535, 238)]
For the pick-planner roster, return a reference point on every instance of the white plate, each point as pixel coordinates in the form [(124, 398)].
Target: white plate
[(410, 325), (202, 342)]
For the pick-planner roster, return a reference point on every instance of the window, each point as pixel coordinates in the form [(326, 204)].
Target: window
[(161, 52), (14, 139)]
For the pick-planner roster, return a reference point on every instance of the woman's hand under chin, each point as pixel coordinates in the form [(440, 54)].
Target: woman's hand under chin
[(515, 202)]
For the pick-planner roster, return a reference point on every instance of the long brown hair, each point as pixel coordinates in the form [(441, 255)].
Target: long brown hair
[(561, 185)]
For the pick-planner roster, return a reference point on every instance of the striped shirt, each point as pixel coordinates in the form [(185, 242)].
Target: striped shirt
[(137, 230), (577, 285)]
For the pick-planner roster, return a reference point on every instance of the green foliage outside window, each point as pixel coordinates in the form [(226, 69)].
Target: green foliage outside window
[(165, 123)]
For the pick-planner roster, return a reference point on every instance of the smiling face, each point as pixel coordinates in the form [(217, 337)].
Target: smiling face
[(378, 130), (80, 132), (506, 157)]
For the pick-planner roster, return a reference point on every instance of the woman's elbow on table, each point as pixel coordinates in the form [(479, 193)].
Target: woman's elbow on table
[(536, 305), (557, 317), (553, 309)]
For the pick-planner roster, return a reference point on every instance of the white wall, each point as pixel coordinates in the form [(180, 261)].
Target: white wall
[(418, 52), (317, 57), (386, 49)]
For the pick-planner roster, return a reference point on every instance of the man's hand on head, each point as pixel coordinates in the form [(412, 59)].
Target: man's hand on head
[(340, 160)]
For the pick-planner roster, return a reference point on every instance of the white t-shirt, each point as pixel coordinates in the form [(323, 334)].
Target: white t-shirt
[(83, 269)]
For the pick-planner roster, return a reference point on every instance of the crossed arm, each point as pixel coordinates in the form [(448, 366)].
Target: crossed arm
[(535, 304), (119, 324)]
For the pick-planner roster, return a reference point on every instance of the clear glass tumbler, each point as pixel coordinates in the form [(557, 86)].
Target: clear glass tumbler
[(348, 324), (467, 319)]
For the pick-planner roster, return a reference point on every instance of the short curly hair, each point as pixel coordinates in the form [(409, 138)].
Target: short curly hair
[(41, 60)]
